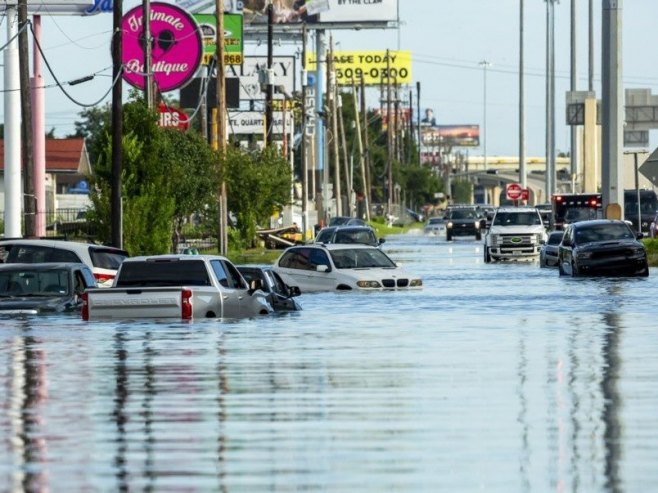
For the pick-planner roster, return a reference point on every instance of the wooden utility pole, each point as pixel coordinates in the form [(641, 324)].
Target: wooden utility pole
[(148, 56), (333, 95), (343, 143), (304, 147), (357, 119), (117, 127), (389, 138), (366, 153), (26, 121), (269, 92), (220, 116)]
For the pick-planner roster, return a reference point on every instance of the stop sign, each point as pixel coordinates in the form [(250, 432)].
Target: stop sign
[(514, 191)]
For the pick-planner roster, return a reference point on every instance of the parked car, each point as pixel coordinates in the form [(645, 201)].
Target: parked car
[(464, 221), (602, 247), (43, 288), (346, 221), (549, 250), (279, 294), (435, 225), (102, 260), (348, 234), (337, 267)]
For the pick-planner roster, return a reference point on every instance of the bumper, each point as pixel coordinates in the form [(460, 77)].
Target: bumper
[(508, 253), (613, 267)]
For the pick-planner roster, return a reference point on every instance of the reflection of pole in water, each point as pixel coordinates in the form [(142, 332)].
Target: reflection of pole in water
[(611, 400), (119, 412), (522, 371), (222, 391)]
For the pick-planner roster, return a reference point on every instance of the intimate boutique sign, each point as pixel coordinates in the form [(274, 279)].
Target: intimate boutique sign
[(176, 48)]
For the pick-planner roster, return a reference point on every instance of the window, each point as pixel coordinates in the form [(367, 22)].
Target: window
[(234, 277), (297, 258), (220, 273)]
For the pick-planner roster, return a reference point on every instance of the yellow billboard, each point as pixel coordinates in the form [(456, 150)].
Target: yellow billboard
[(375, 67)]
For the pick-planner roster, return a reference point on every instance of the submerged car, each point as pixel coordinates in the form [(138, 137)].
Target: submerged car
[(279, 294), (346, 221), (464, 221), (348, 234), (27, 289), (434, 226), (549, 250), (337, 267), (602, 247)]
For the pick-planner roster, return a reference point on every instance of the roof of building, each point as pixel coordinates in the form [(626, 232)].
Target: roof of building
[(62, 156)]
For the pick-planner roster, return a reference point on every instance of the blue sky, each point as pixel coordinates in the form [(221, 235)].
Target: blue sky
[(447, 38)]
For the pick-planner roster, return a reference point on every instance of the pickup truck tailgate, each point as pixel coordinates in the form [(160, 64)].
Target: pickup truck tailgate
[(122, 303)]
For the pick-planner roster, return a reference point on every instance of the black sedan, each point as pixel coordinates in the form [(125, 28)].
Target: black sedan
[(279, 294), (29, 289), (602, 247)]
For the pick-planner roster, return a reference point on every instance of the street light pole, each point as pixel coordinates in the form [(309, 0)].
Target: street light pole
[(485, 65)]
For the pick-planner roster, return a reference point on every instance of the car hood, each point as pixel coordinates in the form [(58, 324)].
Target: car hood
[(36, 304), (517, 230)]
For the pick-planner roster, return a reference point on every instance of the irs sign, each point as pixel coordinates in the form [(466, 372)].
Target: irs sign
[(514, 191), (173, 118)]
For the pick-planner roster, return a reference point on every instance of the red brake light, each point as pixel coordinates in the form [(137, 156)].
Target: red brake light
[(186, 304), (558, 198), (85, 306), (101, 278)]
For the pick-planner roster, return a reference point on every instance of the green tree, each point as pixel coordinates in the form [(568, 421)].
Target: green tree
[(420, 184)]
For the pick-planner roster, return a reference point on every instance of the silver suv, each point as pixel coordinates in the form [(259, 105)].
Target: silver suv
[(102, 260)]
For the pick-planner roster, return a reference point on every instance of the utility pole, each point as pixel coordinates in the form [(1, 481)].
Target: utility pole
[(148, 56), (420, 141), (550, 98), (220, 117), (304, 146), (269, 92), (523, 179), (485, 65), (574, 86), (357, 119), (612, 102), (389, 138), (26, 120), (333, 95), (366, 154), (343, 143), (117, 126)]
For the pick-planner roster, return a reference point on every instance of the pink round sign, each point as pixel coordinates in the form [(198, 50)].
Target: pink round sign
[(176, 48)]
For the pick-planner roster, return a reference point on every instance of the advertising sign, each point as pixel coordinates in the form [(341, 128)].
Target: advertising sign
[(283, 69), (403, 116), (375, 67), (253, 122), (322, 11), (58, 7), (233, 37), (451, 135), (177, 47)]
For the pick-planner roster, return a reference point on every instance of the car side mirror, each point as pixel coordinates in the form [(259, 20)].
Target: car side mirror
[(640, 235), (255, 285), (294, 291), (381, 240), (323, 268)]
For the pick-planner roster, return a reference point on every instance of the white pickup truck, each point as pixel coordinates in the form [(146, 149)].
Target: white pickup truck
[(176, 286), (515, 233)]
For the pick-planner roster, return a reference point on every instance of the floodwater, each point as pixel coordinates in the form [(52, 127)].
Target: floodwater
[(494, 377)]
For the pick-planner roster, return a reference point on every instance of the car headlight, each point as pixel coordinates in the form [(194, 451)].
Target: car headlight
[(584, 255), (477, 224), (639, 251), (449, 225), (368, 284), (415, 283)]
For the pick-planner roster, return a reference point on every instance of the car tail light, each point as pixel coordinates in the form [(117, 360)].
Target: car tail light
[(102, 278), (186, 304), (85, 306)]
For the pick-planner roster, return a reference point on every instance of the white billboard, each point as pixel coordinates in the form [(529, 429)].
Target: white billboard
[(283, 70), (253, 122), (61, 7)]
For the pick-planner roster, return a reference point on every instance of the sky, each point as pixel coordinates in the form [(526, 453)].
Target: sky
[(447, 38)]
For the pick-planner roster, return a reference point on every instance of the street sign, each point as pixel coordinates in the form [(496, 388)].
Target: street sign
[(650, 167), (514, 191)]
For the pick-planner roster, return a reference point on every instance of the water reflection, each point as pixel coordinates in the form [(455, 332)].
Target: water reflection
[(494, 377)]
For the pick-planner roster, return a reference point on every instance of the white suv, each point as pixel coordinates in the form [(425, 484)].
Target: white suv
[(102, 260), (515, 233)]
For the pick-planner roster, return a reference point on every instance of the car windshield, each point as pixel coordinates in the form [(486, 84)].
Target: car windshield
[(555, 238), (463, 214), (603, 232), (28, 282), (435, 220), (517, 218), (361, 258)]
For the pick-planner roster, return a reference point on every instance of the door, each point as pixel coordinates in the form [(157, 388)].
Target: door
[(231, 297)]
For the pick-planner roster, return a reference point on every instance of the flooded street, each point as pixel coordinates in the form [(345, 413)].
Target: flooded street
[(494, 377)]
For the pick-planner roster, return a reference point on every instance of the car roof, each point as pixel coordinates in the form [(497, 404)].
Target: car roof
[(516, 209), (336, 246), (63, 244), (596, 222), (172, 257), (43, 266)]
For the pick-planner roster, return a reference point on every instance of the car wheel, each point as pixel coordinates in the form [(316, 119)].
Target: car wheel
[(487, 255)]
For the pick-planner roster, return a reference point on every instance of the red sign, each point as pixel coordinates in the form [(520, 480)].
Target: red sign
[(514, 191), (173, 118), (525, 194)]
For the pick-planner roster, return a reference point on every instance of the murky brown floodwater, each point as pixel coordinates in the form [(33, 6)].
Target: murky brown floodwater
[(494, 377)]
